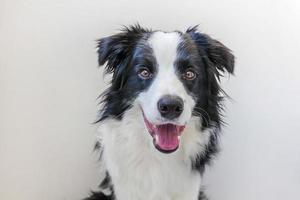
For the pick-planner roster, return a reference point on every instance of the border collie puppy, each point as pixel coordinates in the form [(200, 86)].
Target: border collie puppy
[(160, 119)]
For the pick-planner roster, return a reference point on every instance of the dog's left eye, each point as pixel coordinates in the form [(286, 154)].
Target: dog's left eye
[(189, 74), (144, 73)]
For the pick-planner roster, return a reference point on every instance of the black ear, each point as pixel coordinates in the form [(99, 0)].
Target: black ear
[(218, 54), (116, 49), (112, 50)]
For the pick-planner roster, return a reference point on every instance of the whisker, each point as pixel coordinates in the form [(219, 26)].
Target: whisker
[(201, 109), (206, 121)]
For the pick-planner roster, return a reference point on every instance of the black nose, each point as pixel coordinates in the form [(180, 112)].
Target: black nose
[(170, 107)]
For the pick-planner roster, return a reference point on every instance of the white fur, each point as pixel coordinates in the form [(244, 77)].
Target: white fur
[(166, 82), (138, 170)]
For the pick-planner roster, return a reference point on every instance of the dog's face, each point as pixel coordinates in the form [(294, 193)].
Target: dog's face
[(172, 76)]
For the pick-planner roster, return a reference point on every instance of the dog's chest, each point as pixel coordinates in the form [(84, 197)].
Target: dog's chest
[(140, 172)]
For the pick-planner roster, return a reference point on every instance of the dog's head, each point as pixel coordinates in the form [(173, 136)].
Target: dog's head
[(172, 76)]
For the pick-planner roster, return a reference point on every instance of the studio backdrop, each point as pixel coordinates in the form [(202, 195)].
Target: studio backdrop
[(49, 83)]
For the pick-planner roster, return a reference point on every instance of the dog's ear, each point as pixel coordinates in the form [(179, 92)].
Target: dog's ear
[(115, 50), (218, 54), (112, 51)]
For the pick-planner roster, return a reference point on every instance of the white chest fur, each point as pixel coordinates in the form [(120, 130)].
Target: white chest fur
[(139, 171)]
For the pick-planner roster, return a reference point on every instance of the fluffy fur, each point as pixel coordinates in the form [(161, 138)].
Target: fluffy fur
[(146, 66)]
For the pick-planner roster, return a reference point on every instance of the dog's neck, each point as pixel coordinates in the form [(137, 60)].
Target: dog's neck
[(133, 161)]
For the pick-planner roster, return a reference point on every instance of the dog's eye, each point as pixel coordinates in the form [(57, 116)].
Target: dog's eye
[(189, 74), (144, 73)]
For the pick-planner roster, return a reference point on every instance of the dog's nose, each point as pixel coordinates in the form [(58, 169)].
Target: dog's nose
[(170, 107)]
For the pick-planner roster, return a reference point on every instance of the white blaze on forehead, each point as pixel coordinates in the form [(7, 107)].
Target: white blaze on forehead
[(166, 80), (164, 47)]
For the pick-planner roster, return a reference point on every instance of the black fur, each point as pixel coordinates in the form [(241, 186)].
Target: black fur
[(105, 184), (216, 57), (99, 196), (118, 51), (125, 52)]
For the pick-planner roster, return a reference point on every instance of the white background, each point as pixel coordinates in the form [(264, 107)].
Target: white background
[(49, 82)]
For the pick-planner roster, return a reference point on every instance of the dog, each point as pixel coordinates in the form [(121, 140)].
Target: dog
[(161, 114)]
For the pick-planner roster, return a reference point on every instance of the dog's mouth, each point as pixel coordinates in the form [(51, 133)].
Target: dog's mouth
[(166, 137)]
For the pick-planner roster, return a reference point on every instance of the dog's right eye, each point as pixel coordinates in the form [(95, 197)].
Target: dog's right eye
[(144, 73), (189, 74)]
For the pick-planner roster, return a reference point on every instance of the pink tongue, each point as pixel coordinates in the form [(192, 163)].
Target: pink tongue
[(166, 137)]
